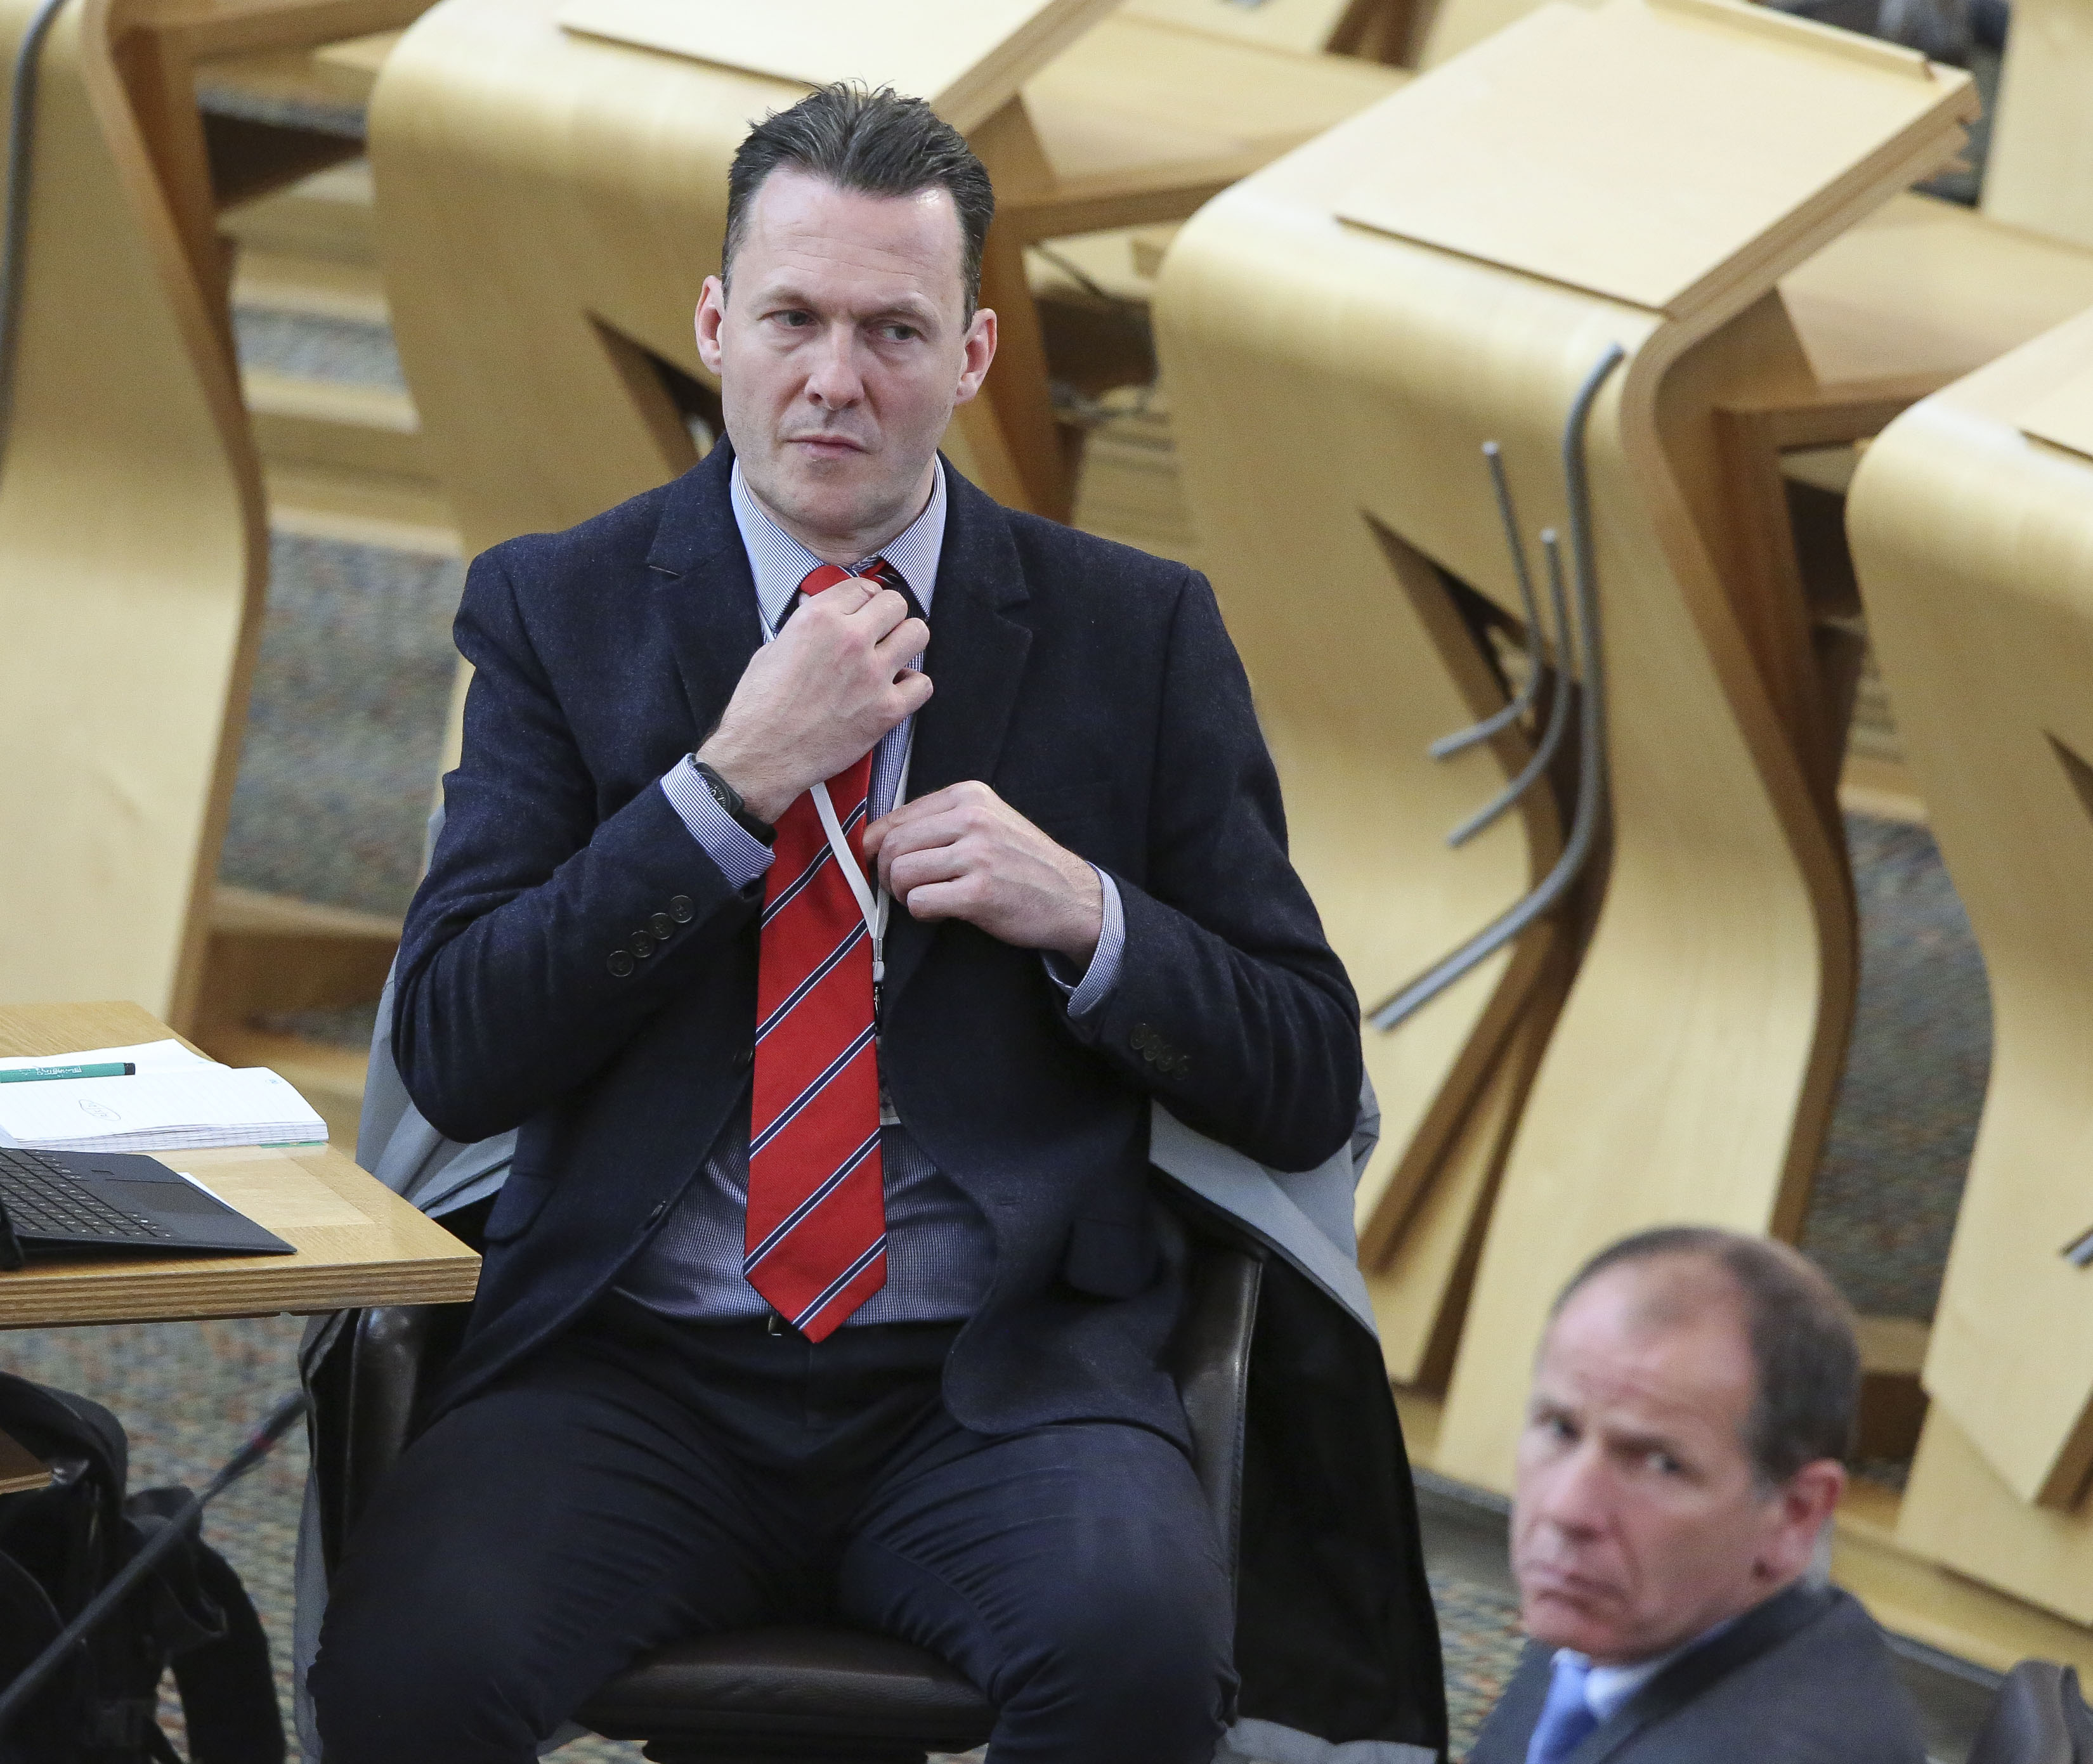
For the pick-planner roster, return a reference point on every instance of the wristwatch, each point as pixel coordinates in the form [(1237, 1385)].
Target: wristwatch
[(730, 799)]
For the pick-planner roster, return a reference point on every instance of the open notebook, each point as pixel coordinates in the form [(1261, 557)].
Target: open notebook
[(176, 1100)]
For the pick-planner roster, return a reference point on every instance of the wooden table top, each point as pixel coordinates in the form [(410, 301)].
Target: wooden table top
[(357, 1242)]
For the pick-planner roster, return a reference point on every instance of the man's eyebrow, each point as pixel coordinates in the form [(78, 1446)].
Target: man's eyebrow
[(1641, 1443), (918, 309)]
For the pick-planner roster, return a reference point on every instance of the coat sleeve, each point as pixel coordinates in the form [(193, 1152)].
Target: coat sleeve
[(1231, 1009), (543, 936)]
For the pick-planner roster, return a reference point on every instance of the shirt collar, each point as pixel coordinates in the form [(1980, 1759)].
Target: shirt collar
[(1607, 1687), (780, 563)]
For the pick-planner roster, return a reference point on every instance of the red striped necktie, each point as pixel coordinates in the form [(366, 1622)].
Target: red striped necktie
[(815, 1242)]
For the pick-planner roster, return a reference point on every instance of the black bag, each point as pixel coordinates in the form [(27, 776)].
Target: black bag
[(58, 1546)]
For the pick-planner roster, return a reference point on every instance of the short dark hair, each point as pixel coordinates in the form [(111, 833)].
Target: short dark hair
[(875, 142), (1804, 1349)]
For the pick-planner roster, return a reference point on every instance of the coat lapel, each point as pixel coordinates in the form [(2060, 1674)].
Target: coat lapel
[(1759, 1631), (976, 661), (704, 594)]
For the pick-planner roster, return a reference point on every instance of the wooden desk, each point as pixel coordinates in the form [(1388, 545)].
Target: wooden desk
[(358, 1242)]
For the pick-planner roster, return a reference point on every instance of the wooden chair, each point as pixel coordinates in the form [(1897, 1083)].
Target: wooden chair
[(132, 555), (804, 1695), (133, 544), (1924, 291), (1971, 521), (1341, 335)]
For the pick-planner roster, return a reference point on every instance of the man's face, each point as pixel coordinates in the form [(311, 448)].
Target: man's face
[(1638, 1524), (841, 353)]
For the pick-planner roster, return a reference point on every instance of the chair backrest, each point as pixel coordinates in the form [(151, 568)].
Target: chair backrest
[(1210, 1359), (2038, 1718)]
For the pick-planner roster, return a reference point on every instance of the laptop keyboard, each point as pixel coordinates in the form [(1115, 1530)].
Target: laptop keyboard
[(43, 1201)]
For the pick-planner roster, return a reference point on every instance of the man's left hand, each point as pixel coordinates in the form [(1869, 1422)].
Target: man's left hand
[(964, 853)]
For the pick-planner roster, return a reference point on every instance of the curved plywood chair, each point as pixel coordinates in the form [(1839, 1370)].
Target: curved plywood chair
[(1971, 521), (1342, 333), (132, 553)]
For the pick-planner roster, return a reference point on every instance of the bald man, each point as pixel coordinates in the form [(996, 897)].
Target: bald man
[(1692, 1405)]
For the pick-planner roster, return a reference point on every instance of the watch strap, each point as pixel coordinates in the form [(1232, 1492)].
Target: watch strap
[(730, 799)]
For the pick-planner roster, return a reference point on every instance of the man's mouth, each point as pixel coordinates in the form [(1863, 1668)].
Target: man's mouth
[(1539, 1580), (826, 445)]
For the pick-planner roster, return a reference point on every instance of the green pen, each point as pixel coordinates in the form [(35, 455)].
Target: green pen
[(24, 1075)]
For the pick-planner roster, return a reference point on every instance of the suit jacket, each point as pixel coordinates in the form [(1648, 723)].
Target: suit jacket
[(1804, 1678), (1095, 689)]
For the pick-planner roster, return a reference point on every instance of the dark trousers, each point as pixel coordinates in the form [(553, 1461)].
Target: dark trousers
[(644, 1481)]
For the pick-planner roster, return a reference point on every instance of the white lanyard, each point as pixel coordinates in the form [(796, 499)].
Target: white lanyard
[(873, 904)]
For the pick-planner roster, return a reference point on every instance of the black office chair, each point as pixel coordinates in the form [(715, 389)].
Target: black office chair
[(2038, 1717), (802, 1695)]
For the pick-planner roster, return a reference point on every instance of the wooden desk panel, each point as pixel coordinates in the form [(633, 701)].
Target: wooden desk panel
[(357, 1242)]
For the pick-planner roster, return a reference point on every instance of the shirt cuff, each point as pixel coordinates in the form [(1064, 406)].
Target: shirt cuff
[(1089, 991), (741, 856)]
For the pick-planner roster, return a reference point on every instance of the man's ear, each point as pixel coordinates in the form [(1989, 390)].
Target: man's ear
[(1801, 1510), (977, 350), (711, 315)]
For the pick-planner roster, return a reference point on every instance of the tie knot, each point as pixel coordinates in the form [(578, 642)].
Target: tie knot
[(826, 576), (823, 577), (1566, 1717)]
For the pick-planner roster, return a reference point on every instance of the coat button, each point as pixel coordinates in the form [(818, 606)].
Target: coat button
[(681, 911), (640, 945), (1142, 1038), (620, 962), (662, 926)]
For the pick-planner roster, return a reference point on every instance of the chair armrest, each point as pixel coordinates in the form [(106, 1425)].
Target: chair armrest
[(366, 1394), (1209, 1358)]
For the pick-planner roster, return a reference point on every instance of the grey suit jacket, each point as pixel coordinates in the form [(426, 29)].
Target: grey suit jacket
[(1803, 1678)]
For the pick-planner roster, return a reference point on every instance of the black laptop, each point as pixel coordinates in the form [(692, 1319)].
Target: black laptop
[(103, 1201)]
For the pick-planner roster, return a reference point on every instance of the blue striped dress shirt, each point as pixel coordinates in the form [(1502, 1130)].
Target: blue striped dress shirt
[(939, 1250)]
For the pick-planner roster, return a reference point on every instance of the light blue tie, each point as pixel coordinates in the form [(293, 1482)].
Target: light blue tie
[(1566, 1718)]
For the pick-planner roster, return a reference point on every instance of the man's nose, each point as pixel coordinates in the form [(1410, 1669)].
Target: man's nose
[(1576, 1493), (834, 380)]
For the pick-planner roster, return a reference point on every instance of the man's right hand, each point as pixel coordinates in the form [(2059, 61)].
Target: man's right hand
[(817, 700)]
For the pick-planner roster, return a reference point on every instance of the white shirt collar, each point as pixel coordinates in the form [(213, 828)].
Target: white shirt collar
[(780, 563), (1607, 1687)]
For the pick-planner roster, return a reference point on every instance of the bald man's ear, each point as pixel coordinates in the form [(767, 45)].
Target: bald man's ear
[(1802, 1507)]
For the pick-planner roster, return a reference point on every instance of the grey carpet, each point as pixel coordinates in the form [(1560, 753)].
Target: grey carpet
[(1886, 1192), (346, 727)]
